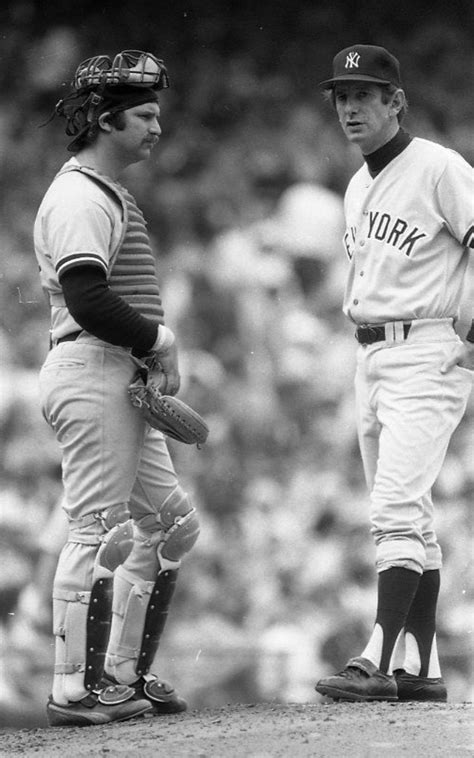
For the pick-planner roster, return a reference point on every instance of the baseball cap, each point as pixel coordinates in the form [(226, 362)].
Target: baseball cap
[(367, 63)]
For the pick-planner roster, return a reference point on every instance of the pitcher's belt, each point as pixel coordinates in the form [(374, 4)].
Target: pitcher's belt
[(367, 334)]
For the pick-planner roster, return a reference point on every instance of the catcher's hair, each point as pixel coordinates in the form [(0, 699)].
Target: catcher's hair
[(388, 91), (82, 109), (90, 132)]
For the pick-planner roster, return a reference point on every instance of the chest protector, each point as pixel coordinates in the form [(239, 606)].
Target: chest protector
[(133, 274), (132, 271)]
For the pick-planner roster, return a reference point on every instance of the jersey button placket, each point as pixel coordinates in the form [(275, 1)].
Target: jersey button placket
[(361, 272)]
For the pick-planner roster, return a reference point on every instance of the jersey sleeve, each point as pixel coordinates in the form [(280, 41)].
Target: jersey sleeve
[(78, 226), (455, 192)]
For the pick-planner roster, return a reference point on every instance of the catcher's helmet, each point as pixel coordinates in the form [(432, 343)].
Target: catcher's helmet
[(110, 84), (132, 67)]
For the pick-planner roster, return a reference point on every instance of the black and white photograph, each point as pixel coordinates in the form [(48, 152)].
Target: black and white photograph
[(236, 371)]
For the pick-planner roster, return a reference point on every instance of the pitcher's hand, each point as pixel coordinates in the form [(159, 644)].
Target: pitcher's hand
[(463, 356)]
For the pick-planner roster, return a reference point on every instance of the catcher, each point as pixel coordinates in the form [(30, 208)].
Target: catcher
[(130, 521)]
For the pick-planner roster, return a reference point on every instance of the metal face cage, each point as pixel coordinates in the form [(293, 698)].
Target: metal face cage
[(132, 67)]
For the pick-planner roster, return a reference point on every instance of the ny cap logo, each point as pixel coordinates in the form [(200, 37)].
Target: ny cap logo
[(352, 60)]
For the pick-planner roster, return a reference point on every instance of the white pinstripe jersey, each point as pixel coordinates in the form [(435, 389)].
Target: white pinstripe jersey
[(408, 235)]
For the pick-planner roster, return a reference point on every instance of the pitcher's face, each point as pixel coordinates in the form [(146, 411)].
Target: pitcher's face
[(365, 119)]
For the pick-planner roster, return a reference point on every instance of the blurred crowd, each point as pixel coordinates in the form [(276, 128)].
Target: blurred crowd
[(244, 202)]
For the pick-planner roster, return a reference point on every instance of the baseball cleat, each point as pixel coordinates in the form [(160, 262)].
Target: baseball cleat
[(113, 703), (359, 681), (422, 688), (162, 696)]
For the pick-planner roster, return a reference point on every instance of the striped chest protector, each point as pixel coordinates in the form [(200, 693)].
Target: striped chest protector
[(133, 274)]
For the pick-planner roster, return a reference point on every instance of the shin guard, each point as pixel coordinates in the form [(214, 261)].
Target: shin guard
[(98, 631), (82, 601), (145, 583), (140, 610), (70, 610), (82, 626), (155, 619)]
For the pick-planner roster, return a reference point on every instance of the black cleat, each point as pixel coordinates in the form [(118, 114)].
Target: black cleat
[(161, 696), (112, 703), (421, 688), (359, 681)]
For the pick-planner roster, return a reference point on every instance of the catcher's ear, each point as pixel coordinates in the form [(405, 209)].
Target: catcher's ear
[(104, 121)]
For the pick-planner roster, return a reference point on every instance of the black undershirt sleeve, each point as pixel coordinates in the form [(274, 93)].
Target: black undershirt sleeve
[(103, 313)]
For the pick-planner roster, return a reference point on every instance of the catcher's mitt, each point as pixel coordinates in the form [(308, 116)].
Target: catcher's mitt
[(166, 413)]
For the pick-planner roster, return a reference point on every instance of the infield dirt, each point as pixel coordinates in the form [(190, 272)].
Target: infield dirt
[(267, 730)]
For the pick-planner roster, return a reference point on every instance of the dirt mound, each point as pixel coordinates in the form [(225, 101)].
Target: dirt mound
[(266, 730)]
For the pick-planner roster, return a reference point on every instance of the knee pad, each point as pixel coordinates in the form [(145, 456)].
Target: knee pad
[(181, 525), (116, 546), (177, 524), (112, 530)]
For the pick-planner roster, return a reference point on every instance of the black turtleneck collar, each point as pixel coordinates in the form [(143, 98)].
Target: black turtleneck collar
[(377, 160)]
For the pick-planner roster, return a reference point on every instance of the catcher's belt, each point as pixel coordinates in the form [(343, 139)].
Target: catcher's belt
[(171, 416)]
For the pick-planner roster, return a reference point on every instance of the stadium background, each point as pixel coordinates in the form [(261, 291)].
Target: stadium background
[(243, 199)]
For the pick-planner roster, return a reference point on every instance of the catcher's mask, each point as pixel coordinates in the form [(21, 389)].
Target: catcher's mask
[(131, 67), (103, 84)]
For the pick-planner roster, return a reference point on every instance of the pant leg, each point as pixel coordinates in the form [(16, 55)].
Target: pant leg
[(83, 387), (368, 425), (418, 409)]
